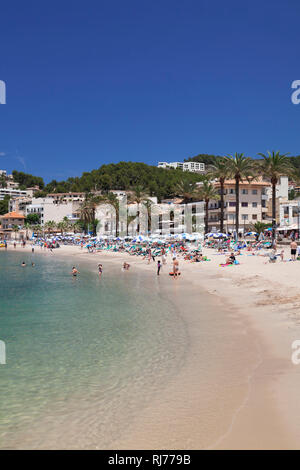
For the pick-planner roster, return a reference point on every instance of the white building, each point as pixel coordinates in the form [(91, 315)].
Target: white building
[(166, 218), (13, 193), (193, 167), (289, 212), (282, 188), (48, 210)]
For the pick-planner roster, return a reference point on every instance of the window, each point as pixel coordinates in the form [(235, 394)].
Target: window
[(231, 216), (244, 204), (244, 191), (232, 204), (254, 204), (245, 216), (254, 216), (231, 191), (254, 191)]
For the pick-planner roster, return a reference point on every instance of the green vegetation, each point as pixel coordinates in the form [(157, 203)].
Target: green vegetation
[(124, 176), (259, 227), (26, 180), (272, 167), (33, 219), (206, 193), (4, 205)]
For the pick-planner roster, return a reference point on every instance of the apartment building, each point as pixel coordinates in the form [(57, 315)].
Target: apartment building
[(253, 205), (193, 167), (11, 192), (50, 209), (8, 222), (58, 198)]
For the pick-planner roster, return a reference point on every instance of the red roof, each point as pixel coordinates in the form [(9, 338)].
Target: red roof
[(13, 215)]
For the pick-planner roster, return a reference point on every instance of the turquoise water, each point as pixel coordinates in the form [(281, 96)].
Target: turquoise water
[(84, 355)]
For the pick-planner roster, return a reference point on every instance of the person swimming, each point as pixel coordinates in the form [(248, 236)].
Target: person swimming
[(100, 269), (23, 264), (74, 271)]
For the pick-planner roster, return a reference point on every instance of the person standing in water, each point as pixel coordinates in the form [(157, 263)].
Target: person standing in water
[(100, 270), (74, 271)]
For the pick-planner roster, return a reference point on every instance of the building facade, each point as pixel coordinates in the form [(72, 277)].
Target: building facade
[(50, 209), (193, 167), (252, 205), (9, 222)]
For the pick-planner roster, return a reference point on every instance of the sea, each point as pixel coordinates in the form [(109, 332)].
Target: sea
[(83, 355)]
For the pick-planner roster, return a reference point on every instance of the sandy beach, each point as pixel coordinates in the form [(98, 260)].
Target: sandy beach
[(254, 391)]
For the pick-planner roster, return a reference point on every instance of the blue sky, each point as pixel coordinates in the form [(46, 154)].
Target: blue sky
[(96, 82)]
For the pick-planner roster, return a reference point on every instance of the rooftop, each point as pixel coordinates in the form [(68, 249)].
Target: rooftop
[(13, 215)]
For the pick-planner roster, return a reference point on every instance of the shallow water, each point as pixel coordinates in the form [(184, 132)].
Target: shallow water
[(83, 355)]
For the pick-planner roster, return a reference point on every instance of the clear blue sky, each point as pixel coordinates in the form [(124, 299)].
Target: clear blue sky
[(93, 82)]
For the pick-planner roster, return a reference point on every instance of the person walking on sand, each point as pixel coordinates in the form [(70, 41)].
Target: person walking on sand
[(175, 268), (158, 267), (293, 246)]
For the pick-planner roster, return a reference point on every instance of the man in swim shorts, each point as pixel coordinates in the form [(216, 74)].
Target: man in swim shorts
[(293, 246)]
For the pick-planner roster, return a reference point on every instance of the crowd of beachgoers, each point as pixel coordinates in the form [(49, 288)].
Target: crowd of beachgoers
[(177, 248)]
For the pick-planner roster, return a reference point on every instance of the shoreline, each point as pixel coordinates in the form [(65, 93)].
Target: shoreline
[(259, 416)]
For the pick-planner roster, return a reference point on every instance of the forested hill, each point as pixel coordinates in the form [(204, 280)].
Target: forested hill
[(124, 176), (26, 180)]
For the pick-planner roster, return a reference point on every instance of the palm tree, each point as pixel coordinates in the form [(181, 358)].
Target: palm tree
[(220, 171), (50, 226), (239, 168), (186, 190), (88, 208), (273, 166), (27, 226), (258, 227), (77, 227), (139, 195), (113, 200), (36, 229), (130, 219), (148, 205), (62, 226), (207, 192), (15, 230)]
